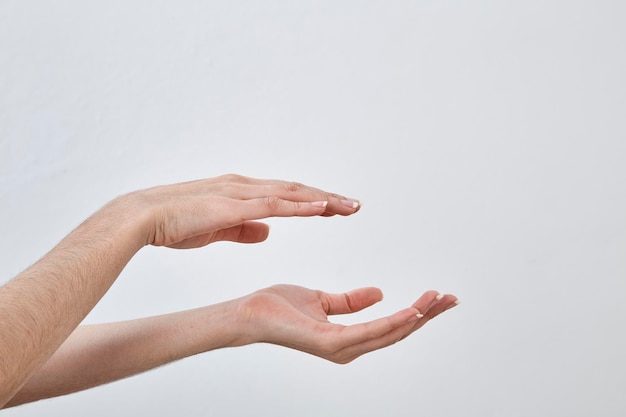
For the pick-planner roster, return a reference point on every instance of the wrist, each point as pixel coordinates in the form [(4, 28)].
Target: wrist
[(208, 328), (127, 216)]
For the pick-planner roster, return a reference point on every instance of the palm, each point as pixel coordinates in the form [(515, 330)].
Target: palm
[(297, 317)]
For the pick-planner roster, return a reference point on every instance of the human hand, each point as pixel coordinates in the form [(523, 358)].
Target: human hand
[(197, 213), (297, 317)]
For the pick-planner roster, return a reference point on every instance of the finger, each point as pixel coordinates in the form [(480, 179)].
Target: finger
[(199, 221), (239, 187), (244, 188), (295, 192), (350, 302), (426, 300), (349, 353), (277, 207), (360, 333), (248, 232), (446, 302)]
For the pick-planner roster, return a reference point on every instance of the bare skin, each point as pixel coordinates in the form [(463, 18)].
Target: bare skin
[(43, 352), (286, 315)]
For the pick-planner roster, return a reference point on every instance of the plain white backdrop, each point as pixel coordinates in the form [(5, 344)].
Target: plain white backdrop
[(486, 139)]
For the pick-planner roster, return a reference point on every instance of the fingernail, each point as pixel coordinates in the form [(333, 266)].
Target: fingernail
[(351, 203), (456, 303), (415, 317), (319, 203)]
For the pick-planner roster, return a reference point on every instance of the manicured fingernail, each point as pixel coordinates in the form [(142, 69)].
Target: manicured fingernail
[(439, 297), (351, 203), (319, 203), (415, 317), (456, 303)]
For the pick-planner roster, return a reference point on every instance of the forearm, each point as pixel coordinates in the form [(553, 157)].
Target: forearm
[(40, 307), (102, 353)]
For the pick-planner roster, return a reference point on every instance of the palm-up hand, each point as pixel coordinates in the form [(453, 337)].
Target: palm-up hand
[(297, 317)]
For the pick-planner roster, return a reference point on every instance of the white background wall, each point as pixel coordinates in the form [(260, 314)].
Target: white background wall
[(487, 140)]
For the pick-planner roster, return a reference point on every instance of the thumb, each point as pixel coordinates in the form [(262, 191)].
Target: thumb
[(247, 232)]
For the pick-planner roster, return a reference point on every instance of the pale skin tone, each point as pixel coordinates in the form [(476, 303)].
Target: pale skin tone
[(45, 353)]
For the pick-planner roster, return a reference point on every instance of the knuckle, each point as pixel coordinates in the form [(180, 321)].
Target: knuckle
[(232, 177), (293, 186), (272, 203), (349, 303)]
